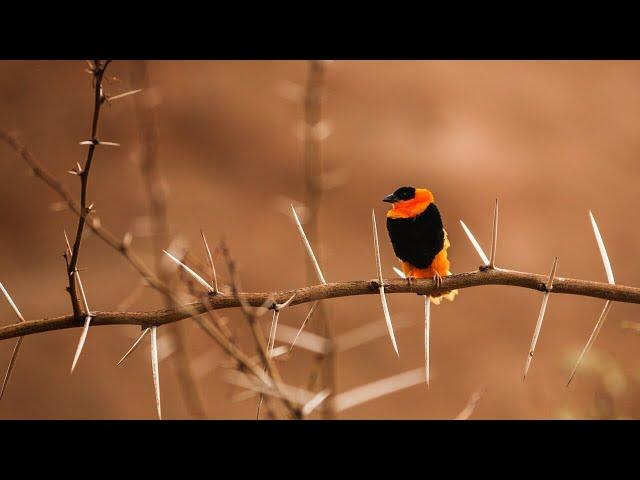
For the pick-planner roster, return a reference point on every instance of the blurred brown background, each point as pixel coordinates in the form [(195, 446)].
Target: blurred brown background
[(551, 140)]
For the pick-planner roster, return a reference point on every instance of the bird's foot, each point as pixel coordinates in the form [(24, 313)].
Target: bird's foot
[(437, 280)]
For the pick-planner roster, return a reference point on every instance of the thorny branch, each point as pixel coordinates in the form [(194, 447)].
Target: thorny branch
[(498, 276), (98, 70)]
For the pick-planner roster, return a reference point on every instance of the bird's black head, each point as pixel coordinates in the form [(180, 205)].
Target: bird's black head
[(401, 194)]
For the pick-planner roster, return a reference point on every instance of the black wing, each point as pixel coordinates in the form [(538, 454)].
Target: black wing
[(419, 239)]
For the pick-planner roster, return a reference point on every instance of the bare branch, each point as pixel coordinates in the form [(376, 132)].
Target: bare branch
[(618, 293), (98, 74), (96, 226)]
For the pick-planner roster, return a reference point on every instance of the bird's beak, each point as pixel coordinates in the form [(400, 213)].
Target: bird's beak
[(390, 198)]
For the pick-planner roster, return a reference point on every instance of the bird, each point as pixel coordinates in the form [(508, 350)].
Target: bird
[(418, 237)]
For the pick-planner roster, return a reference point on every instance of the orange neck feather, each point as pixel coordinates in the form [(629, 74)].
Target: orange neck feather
[(413, 207)]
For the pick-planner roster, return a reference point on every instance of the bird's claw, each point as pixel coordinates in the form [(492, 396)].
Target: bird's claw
[(437, 280)]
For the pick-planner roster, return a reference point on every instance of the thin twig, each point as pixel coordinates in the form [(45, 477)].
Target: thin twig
[(95, 225), (543, 308), (99, 98)]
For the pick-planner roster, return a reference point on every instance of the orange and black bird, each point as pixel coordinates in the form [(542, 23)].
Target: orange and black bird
[(418, 236)]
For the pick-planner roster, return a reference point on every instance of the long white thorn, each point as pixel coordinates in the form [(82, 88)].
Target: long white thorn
[(282, 306), (543, 308), (83, 338), (315, 402), (383, 298), (154, 368), (272, 331), (196, 277), (427, 338), (603, 250), (377, 389), (122, 95), (278, 307), (475, 243), (592, 338), (214, 277), (12, 362), (87, 322), (133, 347), (304, 323), (11, 302), (399, 272), (307, 245), (494, 237)]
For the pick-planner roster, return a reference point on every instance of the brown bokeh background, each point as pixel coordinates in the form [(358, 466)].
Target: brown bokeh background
[(551, 140)]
